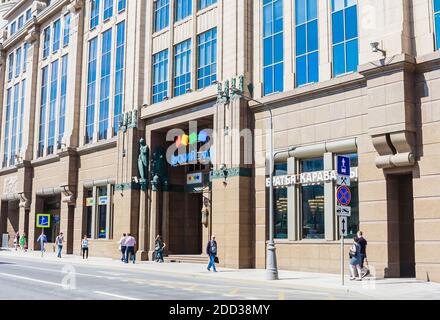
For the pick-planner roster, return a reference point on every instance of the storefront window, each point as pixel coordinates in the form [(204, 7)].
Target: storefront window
[(312, 165), (102, 212), (280, 205), (90, 202), (312, 197), (313, 211)]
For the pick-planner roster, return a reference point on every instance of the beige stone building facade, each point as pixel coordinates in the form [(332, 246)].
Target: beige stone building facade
[(83, 81)]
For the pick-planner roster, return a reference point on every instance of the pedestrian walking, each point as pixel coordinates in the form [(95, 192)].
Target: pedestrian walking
[(42, 240), (16, 240), (122, 246), (23, 242), (159, 246), (85, 247), (363, 244), (355, 260), (211, 250), (130, 243), (59, 241)]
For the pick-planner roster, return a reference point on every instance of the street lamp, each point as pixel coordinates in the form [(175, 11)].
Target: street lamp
[(271, 264)]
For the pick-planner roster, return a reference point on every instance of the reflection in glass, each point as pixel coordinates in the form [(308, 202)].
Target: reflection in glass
[(313, 211)]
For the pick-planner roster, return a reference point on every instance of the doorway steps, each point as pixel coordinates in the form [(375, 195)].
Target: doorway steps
[(187, 258)]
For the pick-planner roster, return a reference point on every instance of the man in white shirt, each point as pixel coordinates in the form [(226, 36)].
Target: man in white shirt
[(130, 242), (123, 246)]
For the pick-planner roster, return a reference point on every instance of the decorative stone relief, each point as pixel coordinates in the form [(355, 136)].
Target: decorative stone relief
[(10, 185)]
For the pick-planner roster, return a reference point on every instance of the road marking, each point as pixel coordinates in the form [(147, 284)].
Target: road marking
[(31, 279), (115, 295), (234, 291), (207, 292), (282, 296), (59, 271)]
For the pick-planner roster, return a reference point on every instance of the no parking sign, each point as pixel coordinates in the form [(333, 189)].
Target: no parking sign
[(344, 195)]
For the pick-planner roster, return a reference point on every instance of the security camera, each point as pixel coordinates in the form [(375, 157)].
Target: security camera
[(374, 46)]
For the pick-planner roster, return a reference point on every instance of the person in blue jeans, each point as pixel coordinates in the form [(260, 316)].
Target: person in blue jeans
[(211, 250), (59, 242)]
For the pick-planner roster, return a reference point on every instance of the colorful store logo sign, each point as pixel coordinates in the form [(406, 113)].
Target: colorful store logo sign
[(194, 178), (193, 155), (307, 178)]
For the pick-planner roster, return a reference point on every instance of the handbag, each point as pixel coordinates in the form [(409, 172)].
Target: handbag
[(216, 260), (351, 253)]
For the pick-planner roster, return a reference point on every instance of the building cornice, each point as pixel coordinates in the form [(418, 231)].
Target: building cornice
[(428, 62), (316, 90), (46, 160), (99, 146), (185, 101)]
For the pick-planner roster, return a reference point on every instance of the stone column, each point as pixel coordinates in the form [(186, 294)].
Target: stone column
[(165, 219), (142, 253), (329, 201), (292, 212), (154, 211)]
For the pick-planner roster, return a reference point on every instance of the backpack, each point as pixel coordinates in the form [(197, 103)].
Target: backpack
[(213, 247)]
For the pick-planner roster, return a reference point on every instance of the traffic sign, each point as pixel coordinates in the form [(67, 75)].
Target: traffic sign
[(343, 226), (344, 195), (343, 166), (343, 211), (343, 181), (43, 220)]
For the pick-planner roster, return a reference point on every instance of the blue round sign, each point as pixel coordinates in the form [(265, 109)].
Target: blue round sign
[(344, 195)]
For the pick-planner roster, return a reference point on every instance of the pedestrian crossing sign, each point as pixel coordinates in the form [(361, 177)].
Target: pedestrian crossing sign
[(43, 220)]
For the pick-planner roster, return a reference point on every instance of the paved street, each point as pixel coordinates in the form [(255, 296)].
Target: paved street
[(28, 276), (28, 279)]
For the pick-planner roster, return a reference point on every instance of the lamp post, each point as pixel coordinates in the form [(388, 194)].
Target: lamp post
[(271, 263)]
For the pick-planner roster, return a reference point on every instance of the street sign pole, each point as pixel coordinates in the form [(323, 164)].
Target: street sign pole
[(342, 260), (344, 199)]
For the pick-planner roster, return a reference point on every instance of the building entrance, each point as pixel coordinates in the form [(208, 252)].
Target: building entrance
[(51, 205), (401, 225)]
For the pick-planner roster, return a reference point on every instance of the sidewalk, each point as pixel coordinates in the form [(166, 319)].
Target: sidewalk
[(370, 288)]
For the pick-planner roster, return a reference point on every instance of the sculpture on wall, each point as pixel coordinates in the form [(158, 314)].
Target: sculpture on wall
[(143, 162), (159, 172)]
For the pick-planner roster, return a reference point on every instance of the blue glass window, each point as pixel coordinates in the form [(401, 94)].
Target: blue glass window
[(104, 101), (345, 36), (20, 134), (25, 49), (183, 9), (46, 42), (437, 23), (14, 124), (43, 102), (56, 35), (13, 27), (91, 90), (119, 75), (52, 106), (62, 112), (205, 3), (207, 58), (28, 14), (306, 22), (94, 13), (18, 62), (66, 32), (20, 22), (6, 133), (273, 74), (121, 5), (161, 14), (108, 9), (182, 67), (160, 76), (11, 66)]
